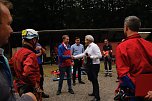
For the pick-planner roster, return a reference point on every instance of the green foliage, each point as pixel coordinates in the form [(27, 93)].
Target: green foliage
[(61, 14)]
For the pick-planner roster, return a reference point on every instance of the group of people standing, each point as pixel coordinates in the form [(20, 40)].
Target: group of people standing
[(74, 55), (133, 57)]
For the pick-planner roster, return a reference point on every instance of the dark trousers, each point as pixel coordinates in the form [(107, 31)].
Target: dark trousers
[(93, 77), (42, 76), (108, 61), (77, 66), (62, 74)]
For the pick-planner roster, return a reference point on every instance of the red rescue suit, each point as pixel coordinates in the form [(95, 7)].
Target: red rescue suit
[(25, 66), (134, 57)]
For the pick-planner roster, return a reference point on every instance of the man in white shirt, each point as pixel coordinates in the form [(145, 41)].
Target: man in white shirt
[(93, 55)]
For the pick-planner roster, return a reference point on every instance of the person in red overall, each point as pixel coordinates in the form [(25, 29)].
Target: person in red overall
[(25, 64), (133, 55)]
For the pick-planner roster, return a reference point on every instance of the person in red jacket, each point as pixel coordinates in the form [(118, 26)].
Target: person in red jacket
[(25, 64), (133, 55)]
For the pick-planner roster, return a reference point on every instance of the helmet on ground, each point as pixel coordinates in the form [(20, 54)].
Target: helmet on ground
[(29, 34)]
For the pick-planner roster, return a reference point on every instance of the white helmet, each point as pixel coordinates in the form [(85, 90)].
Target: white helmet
[(29, 34)]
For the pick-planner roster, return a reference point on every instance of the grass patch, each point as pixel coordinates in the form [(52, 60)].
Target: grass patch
[(49, 68)]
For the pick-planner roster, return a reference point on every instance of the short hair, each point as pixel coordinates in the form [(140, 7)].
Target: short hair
[(77, 38), (26, 40), (106, 39), (89, 37), (64, 36), (133, 23), (6, 3)]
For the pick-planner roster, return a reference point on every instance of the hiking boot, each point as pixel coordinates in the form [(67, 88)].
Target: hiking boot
[(58, 92), (71, 91), (45, 95)]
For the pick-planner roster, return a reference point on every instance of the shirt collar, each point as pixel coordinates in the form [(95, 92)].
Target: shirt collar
[(90, 44), (77, 45), (1, 51), (65, 45), (29, 47), (136, 35)]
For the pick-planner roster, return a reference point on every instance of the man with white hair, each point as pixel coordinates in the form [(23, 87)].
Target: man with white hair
[(93, 55)]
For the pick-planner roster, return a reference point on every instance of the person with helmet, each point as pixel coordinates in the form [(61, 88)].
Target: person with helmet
[(25, 64)]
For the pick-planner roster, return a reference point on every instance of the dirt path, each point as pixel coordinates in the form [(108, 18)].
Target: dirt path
[(107, 87)]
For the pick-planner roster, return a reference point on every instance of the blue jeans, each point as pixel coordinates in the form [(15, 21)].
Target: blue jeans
[(62, 74)]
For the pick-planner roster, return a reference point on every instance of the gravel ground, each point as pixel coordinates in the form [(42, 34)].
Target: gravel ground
[(107, 86)]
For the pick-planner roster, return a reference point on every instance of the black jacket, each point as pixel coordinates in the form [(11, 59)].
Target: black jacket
[(6, 93)]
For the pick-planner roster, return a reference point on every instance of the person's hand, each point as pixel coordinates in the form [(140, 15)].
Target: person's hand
[(38, 48), (149, 95), (116, 91), (87, 55), (43, 50), (72, 57)]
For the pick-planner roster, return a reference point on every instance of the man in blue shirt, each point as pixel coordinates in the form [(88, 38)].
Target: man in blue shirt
[(76, 49), (39, 52)]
